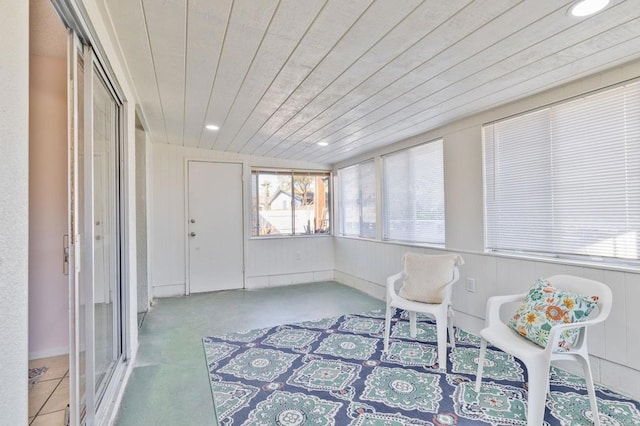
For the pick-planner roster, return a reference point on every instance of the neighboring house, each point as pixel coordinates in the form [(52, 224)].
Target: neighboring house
[(275, 216), (281, 200)]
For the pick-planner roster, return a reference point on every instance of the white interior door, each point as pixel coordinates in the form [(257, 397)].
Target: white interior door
[(215, 226)]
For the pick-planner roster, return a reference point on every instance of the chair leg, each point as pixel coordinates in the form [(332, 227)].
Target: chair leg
[(586, 367), (452, 336), (387, 328), (441, 330), (413, 328), (483, 353), (537, 398)]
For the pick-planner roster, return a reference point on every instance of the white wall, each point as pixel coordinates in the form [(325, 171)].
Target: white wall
[(141, 219), (270, 261), (366, 264), (14, 230), (48, 286)]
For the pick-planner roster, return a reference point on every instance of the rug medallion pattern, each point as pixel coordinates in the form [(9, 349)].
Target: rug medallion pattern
[(332, 371)]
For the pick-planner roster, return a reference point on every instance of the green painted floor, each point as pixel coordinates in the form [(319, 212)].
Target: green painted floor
[(169, 384)]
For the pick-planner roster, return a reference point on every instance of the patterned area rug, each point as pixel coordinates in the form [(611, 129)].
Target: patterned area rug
[(333, 372), (35, 374)]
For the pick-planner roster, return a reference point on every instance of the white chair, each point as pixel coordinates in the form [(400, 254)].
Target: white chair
[(441, 312), (538, 359)]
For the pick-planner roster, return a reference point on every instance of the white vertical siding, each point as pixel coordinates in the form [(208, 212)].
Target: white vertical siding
[(614, 345)]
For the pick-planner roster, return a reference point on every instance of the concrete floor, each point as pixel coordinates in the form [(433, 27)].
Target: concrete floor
[(170, 385)]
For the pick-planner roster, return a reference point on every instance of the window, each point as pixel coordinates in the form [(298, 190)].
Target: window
[(358, 200), (565, 180), (414, 194), (290, 202)]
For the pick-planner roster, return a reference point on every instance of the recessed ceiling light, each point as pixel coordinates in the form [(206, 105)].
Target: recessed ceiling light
[(588, 7), (212, 127), (323, 143)]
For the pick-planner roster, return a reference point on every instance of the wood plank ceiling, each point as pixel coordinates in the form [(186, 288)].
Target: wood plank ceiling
[(279, 76)]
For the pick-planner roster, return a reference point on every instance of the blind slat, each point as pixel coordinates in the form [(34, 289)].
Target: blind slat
[(414, 194), (358, 200), (566, 180)]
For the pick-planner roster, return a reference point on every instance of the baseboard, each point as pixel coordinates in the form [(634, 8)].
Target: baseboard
[(169, 290), (619, 378), (49, 353), (369, 287), (279, 280)]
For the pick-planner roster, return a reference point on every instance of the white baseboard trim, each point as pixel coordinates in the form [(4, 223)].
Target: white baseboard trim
[(467, 322), (64, 350), (169, 290), (279, 280), (619, 378), (372, 289)]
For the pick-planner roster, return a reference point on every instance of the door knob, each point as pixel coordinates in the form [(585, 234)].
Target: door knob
[(193, 234), (193, 221)]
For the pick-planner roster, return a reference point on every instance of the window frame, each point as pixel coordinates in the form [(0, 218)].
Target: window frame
[(340, 192), (254, 211), (384, 232), (554, 108)]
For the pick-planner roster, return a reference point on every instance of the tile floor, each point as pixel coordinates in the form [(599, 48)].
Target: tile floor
[(48, 399)]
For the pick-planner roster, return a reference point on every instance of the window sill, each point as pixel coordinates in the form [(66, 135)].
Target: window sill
[(610, 266), (395, 242), (282, 237)]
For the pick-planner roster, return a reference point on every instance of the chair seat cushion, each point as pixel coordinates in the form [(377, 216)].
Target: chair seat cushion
[(426, 277), (546, 306)]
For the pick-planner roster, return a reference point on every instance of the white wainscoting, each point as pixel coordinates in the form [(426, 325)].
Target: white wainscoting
[(283, 261), (615, 345)]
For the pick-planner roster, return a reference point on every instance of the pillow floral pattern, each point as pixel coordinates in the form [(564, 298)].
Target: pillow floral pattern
[(546, 306)]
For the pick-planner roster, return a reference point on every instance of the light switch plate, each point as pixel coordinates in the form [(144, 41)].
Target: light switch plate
[(471, 285)]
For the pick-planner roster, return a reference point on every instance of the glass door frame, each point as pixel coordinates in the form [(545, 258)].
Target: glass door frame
[(77, 402), (84, 58), (116, 213)]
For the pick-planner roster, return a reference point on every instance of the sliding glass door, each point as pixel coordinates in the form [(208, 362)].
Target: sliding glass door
[(77, 193), (106, 229), (96, 314)]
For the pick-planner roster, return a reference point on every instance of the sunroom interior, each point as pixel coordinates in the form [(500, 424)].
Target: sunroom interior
[(253, 164)]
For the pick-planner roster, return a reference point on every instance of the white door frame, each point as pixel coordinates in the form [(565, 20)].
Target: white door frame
[(74, 48), (187, 255)]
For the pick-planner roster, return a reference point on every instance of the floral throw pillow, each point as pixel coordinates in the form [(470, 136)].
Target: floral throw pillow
[(546, 306)]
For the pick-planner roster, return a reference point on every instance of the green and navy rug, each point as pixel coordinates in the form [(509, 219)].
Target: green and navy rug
[(333, 372), (35, 374)]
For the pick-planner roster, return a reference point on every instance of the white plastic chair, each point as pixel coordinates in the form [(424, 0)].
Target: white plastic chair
[(442, 313), (538, 359)]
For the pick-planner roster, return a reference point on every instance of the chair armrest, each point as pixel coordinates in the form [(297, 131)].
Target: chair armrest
[(556, 330), (391, 283), (494, 303)]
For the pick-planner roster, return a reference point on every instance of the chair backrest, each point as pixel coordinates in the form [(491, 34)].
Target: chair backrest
[(586, 287), (446, 296), (446, 291)]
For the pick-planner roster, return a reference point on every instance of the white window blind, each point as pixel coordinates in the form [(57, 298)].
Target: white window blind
[(565, 180), (414, 194), (358, 200)]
